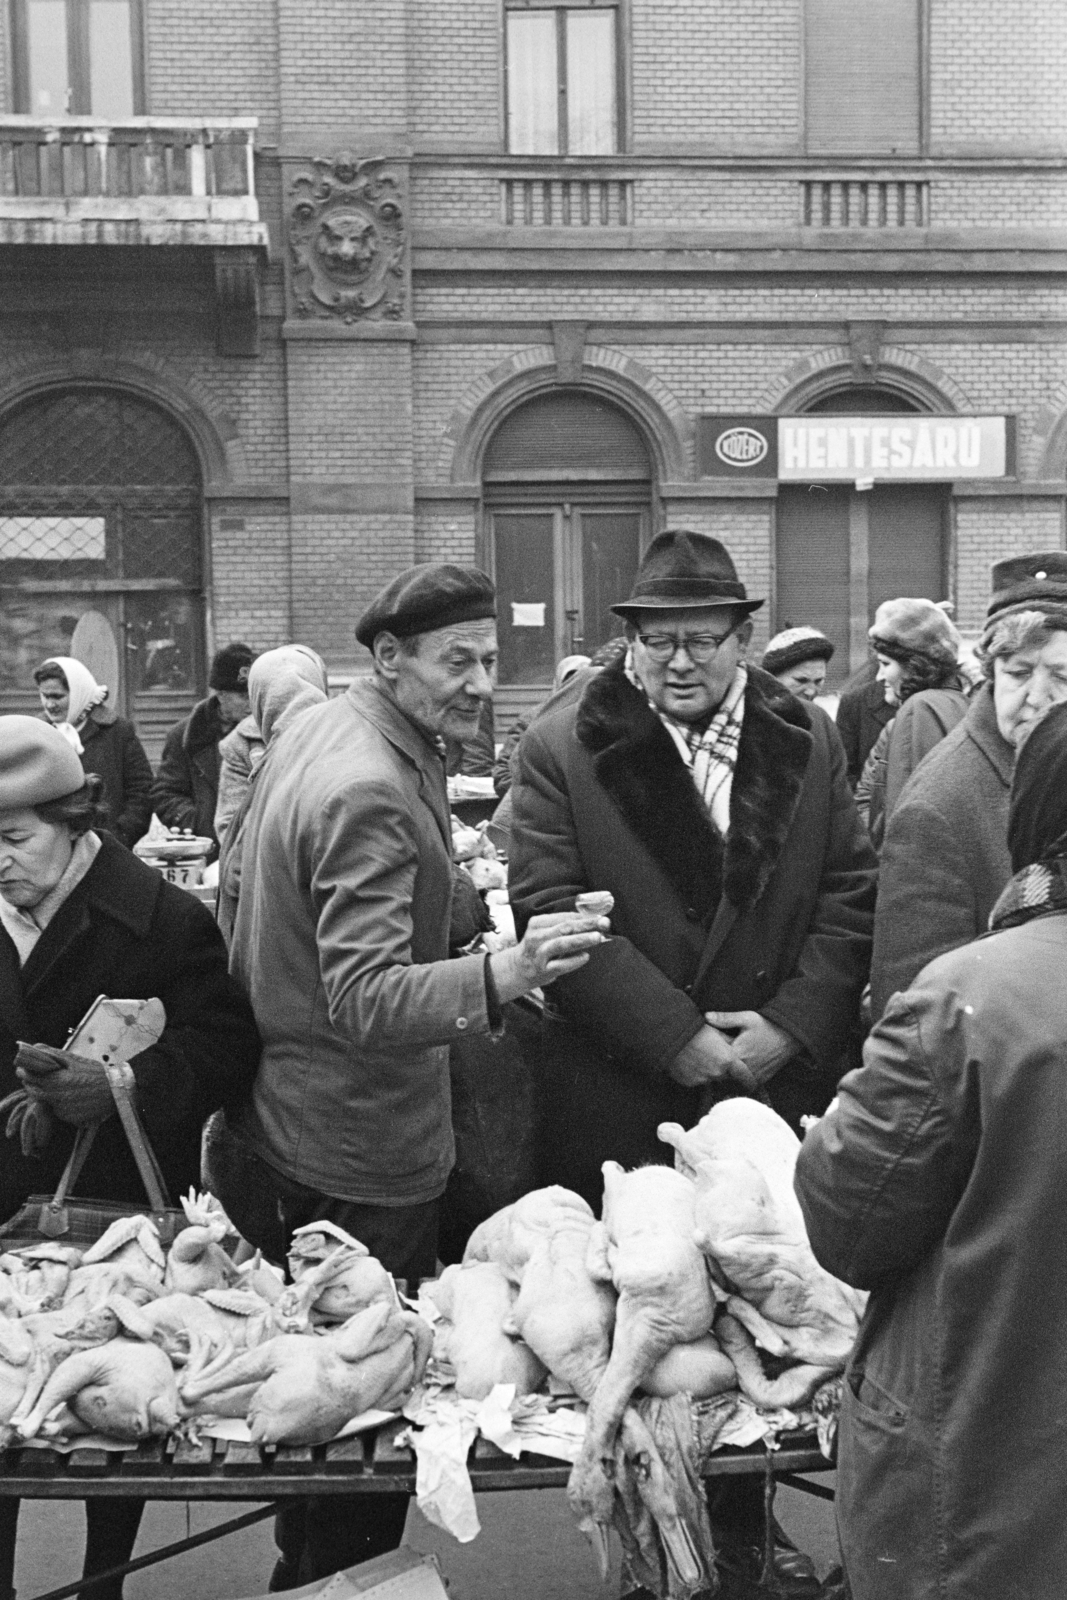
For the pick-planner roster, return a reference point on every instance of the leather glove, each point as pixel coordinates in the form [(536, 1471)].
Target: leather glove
[(75, 1087), (29, 1120)]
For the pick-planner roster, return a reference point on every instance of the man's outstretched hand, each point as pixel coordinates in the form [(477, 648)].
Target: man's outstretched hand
[(552, 946)]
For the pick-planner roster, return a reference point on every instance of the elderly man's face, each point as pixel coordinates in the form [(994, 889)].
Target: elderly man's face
[(444, 683), (688, 690)]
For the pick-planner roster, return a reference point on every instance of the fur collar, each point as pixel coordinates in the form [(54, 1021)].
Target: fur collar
[(636, 762)]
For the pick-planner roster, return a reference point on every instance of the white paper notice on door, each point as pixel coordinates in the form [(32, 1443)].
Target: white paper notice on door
[(527, 613)]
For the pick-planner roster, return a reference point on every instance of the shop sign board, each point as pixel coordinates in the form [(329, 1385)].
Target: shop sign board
[(892, 448)]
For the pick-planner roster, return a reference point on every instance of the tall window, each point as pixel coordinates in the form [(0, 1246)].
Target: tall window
[(78, 58), (862, 77), (562, 79)]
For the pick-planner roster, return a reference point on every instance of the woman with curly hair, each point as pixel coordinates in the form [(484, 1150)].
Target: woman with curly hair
[(917, 649)]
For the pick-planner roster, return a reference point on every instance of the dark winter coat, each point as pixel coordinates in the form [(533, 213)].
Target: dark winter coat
[(778, 921), (862, 713), (945, 857), (111, 748), (125, 933), (937, 1183), (186, 789)]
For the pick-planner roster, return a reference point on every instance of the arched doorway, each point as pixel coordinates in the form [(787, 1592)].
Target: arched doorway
[(568, 497), (841, 551), (101, 513)]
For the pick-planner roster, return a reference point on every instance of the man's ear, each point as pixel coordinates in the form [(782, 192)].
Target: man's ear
[(744, 634), (386, 650)]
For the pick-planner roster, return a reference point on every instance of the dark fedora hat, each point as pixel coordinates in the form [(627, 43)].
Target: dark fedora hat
[(682, 570)]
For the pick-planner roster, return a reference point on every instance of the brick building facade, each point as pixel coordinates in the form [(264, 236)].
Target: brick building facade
[(336, 246)]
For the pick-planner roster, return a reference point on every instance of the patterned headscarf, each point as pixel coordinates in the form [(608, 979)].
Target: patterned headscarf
[(710, 755)]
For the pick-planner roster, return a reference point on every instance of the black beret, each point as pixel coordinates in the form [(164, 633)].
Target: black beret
[(1021, 583), (432, 595)]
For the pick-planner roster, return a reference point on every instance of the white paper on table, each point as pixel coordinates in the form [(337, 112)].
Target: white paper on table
[(528, 613), (235, 1429), (750, 1425), (443, 1490)]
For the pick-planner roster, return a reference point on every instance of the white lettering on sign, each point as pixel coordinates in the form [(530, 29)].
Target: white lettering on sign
[(900, 449)]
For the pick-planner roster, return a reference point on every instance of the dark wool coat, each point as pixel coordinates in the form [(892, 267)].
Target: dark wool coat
[(125, 933), (937, 1183), (778, 920), (112, 749), (186, 789), (945, 857), (862, 713)]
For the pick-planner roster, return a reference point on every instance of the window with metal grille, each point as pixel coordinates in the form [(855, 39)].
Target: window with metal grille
[(78, 58), (96, 483), (562, 78)]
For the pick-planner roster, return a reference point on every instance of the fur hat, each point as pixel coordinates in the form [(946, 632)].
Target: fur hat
[(36, 763), (795, 645), (427, 597), (905, 628), (1035, 582), (230, 668), (682, 570)]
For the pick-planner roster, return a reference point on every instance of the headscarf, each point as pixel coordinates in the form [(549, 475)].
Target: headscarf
[(1037, 814), (84, 691), (567, 668), (284, 682)]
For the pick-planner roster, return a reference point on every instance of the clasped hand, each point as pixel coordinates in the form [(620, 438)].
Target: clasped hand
[(739, 1045), (74, 1087)]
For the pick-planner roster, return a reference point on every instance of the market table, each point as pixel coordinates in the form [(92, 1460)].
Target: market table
[(178, 1469)]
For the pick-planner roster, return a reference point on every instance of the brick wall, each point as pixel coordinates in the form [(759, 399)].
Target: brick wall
[(446, 532), (996, 76), (339, 563), (350, 411), (456, 84), (207, 59), (250, 572), (343, 67), (989, 530)]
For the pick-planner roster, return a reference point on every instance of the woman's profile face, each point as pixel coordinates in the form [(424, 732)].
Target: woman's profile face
[(55, 699), (34, 855), (890, 673)]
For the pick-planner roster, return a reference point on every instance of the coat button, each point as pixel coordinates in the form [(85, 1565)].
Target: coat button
[(692, 913), (461, 1023)]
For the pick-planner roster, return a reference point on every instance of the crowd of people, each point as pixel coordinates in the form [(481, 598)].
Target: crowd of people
[(857, 921)]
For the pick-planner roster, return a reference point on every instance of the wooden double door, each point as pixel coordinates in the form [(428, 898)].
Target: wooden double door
[(559, 566)]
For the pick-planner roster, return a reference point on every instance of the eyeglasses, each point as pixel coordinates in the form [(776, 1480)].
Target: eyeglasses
[(699, 647)]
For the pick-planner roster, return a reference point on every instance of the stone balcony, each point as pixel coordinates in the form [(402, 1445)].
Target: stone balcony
[(182, 182)]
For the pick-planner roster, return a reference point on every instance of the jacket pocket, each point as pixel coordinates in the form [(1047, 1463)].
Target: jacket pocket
[(871, 1401)]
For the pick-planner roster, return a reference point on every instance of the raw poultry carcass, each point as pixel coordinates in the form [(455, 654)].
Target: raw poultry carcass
[(510, 1235), (125, 1389), (127, 1259), (348, 1277), (36, 1278), (750, 1227), (310, 1385), (699, 1368), (475, 1302), (196, 1260), (645, 1246)]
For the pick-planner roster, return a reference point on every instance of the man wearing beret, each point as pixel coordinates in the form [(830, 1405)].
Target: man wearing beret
[(341, 940), (186, 789), (714, 806)]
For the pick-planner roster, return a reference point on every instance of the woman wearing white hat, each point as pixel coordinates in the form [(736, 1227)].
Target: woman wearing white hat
[(107, 744)]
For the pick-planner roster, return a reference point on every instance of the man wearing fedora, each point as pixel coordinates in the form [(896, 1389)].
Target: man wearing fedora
[(714, 806)]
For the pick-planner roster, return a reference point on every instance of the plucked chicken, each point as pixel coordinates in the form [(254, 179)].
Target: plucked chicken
[(750, 1227), (476, 1302), (310, 1385), (196, 1260), (124, 1388)]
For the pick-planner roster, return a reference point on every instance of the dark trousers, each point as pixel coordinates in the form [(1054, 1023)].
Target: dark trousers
[(111, 1532), (326, 1533)]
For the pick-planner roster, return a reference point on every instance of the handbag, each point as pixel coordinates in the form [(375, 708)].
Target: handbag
[(58, 1218)]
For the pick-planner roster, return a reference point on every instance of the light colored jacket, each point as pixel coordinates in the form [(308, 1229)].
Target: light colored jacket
[(341, 942)]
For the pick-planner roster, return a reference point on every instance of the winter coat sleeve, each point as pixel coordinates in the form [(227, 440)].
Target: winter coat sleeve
[(504, 766), (363, 872), (235, 768), (132, 822), (172, 793), (880, 1175), (209, 1050), (620, 997), (819, 1000), (920, 724), (926, 900)]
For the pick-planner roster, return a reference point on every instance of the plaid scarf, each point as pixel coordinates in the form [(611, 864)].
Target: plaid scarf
[(711, 755), (1034, 892)]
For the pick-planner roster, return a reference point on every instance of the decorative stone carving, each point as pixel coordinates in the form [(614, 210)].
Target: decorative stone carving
[(347, 240)]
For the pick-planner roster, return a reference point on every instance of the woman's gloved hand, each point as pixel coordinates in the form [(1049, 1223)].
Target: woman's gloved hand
[(74, 1087), (29, 1120)]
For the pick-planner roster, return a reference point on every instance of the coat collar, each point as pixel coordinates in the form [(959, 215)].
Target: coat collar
[(403, 735), (635, 760), (981, 725), (204, 726)]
